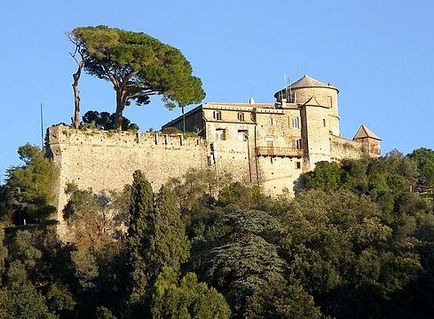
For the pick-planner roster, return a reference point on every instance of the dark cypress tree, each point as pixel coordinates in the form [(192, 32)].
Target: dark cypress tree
[(170, 246), (156, 239), (142, 219)]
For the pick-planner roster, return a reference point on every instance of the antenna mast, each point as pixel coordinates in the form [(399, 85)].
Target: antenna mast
[(290, 91), (287, 85)]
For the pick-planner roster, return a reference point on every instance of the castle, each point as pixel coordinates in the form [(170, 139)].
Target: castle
[(265, 144), (279, 140)]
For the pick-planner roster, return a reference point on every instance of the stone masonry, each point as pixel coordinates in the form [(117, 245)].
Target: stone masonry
[(265, 144)]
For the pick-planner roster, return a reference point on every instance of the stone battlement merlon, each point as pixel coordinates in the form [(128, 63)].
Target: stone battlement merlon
[(65, 134)]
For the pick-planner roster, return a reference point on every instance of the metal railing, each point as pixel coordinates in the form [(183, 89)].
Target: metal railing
[(279, 151)]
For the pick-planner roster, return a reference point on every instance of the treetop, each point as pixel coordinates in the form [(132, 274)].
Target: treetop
[(139, 64)]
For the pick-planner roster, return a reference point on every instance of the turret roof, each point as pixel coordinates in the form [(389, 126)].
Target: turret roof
[(306, 81), (364, 132)]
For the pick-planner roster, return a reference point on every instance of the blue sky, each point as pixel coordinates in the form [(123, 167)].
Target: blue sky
[(380, 54)]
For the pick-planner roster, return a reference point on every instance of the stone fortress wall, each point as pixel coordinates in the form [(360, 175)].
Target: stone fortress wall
[(265, 144), (348, 149), (104, 160)]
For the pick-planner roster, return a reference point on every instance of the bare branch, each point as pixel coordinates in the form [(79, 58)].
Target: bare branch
[(77, 50), (141, 93), (75, 59)]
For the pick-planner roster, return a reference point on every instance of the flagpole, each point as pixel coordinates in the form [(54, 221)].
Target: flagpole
[(42, 127)]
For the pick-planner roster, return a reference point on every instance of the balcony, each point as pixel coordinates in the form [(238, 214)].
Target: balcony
[(279, 151)]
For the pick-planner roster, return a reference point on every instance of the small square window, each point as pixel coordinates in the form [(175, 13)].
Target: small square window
[(240, 117), (242, 135), (297, 165), (270, 121), (220, 134)]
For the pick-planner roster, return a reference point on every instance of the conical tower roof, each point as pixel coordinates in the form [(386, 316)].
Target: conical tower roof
[(364, 132), (305, 82)]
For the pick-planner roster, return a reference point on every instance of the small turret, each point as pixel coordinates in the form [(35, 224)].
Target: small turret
[(369, 138)]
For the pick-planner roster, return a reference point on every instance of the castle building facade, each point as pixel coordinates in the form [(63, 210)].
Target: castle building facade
[(283, 139), (265, 144)]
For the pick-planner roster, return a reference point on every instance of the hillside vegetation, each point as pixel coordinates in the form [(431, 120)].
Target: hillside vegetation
[(357, 241)]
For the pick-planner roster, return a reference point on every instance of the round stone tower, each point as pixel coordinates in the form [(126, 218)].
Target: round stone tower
[(319, 93), (318, 104)]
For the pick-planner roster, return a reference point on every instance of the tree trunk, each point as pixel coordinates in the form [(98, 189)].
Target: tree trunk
[(119, 120), (76, 77), (120, 105)]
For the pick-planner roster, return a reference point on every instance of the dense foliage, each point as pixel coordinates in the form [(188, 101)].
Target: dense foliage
[(356, 242), (424, 159), (106, 121), (27, 196), (186, 299), (138, 66)]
